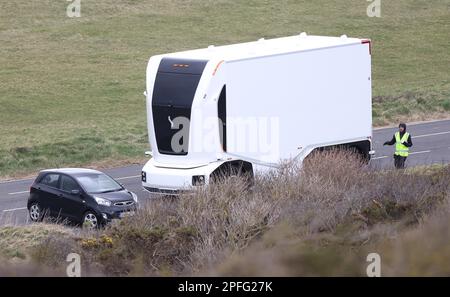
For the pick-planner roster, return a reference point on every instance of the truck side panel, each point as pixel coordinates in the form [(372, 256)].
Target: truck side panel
[(296, 100)]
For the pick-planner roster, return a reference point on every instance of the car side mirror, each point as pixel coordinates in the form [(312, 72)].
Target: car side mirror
[(149, 154), (75, 192)]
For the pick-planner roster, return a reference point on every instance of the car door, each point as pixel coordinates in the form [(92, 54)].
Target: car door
[(48, 190), (71, 198)]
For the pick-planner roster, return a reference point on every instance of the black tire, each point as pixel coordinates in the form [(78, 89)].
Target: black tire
[(35, 212), (90, 220)]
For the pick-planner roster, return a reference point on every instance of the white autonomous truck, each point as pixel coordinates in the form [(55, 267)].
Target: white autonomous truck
[(247, 107)]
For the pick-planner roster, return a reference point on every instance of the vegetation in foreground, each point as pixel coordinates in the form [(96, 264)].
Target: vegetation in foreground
[(71, 88), (321, 220)]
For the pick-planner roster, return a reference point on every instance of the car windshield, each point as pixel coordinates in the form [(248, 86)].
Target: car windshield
[(98, 183)]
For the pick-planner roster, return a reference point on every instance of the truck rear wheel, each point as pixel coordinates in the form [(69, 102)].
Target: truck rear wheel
[(360, 149), (356, 154)]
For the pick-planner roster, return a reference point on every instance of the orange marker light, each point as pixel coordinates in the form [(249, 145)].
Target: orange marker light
[(217, 67)]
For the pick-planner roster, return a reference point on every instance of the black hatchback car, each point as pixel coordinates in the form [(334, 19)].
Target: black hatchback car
[(84, 196)]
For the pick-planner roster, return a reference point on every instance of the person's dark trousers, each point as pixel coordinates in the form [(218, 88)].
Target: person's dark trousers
[(399, 162)]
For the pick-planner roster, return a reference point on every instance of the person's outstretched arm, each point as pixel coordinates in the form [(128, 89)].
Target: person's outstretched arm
[(390, 142)]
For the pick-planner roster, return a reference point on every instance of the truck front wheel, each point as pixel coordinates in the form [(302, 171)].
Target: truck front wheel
[(236, 169)]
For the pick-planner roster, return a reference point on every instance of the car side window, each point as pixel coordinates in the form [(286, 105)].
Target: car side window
[(50, 180), (68, 184)]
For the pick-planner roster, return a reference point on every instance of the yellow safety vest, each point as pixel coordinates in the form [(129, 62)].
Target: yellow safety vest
[(400, 149)]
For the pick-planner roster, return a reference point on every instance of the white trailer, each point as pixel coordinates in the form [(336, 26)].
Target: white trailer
[(251, 105)]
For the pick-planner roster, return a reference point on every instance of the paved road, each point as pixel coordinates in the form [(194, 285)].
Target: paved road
[(431, 145)]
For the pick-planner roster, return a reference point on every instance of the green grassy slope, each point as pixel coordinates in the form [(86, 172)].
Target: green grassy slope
[(71, 89)]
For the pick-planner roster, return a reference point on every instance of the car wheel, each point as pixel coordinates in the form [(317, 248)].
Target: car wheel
[(35, 212), (90, 220)]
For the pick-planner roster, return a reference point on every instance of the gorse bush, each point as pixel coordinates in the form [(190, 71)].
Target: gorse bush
[(333, 195)]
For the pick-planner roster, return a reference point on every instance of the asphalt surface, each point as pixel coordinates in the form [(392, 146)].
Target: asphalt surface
[(431, 145)]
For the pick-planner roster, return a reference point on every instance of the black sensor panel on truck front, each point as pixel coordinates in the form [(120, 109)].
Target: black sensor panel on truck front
[(173, 93)]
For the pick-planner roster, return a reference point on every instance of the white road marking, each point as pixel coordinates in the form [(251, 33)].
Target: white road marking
[(422, 152), (30, 179), (128, 177), (119, 178), (14, 209), (18, 193), (15, 180), (431, 134), (413, 153), (382, 157)]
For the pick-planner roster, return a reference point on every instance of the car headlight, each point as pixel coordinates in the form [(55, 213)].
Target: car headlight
[(135, 198), (101, 201)]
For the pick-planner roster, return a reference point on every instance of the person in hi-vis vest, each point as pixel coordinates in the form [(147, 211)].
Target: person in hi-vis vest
[(402, 141)]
